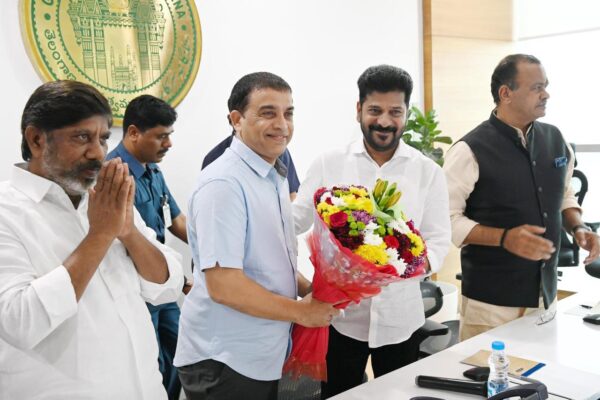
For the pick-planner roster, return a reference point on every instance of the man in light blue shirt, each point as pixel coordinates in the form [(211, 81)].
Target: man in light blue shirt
[(235, 323)]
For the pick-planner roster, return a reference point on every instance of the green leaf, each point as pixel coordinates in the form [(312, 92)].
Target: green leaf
[(443, 139)]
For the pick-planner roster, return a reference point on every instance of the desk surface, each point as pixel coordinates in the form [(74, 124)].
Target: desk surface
[(565, 341)]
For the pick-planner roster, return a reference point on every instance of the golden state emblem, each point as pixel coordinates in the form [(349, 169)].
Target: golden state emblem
[(124, 48)]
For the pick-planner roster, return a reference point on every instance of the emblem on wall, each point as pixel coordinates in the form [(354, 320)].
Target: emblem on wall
[(122, 47)]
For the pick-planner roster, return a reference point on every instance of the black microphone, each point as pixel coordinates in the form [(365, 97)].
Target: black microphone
[(452, 385)]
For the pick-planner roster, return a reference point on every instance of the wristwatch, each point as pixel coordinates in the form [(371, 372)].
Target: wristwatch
[(579, 227)]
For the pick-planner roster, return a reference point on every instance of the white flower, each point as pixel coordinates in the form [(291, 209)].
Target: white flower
[(371, 227), (396, 261), (324, 197), (338, 202), (399, 225), (392, 253), (372, 239)]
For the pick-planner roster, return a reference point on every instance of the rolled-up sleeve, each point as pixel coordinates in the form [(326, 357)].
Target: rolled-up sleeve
[(462, 172), (569, 199), (32, 306), (169, 291), (219, 216)]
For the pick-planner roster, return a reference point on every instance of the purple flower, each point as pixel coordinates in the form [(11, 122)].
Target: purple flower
[(363, 216)]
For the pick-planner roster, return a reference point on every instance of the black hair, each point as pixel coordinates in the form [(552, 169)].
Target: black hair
[(240, 94), (384, 78), (61, 103), (506, 72), (146, 112)]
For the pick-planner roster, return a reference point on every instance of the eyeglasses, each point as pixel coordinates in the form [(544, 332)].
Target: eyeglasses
[(546, 315)]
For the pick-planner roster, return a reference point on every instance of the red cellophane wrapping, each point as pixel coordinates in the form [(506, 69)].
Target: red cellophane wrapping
[(340, 277)]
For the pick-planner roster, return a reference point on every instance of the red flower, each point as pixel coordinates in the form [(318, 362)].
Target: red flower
[(318, 194), (338, 219), (391, 241), (328, 201)]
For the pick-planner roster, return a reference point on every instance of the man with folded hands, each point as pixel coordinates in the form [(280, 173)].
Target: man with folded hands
[(77, 263)]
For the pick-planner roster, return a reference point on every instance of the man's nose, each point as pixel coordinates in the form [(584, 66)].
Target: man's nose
[(96, 150)]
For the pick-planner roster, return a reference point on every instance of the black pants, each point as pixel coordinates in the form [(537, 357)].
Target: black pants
[(213, 380), (347, 360)]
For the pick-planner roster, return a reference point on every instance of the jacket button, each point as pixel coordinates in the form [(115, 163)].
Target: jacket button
[(540, 189), (545, 215), (533, 163)]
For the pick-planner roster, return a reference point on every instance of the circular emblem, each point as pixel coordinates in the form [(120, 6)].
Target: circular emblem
[(124, 48)]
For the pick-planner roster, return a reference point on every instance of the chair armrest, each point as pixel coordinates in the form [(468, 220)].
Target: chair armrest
[(432, 328)]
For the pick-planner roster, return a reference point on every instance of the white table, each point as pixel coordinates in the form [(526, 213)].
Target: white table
[(565, 341)]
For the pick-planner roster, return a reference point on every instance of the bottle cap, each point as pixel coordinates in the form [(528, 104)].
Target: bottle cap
[(497, 345)]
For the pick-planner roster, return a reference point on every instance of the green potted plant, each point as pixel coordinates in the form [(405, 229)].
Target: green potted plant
[(421, 133)]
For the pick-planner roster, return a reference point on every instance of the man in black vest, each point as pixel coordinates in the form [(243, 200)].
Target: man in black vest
[(510, 195)]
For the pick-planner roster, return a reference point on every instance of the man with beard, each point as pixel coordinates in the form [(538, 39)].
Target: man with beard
[(147, 129), (383, 326), (510, 196), (76, 262)]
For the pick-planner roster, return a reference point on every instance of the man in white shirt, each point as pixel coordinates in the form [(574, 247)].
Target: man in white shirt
[(76, 262), (383, 326)]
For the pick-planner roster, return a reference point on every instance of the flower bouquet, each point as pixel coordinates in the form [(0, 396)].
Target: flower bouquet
[(360, 242)]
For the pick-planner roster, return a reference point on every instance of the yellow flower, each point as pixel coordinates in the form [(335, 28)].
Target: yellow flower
[(325, 210), (358, 191), (365, 204), (374, 254), (417, 244)]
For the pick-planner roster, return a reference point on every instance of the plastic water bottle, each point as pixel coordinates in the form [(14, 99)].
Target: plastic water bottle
[(498, 361)]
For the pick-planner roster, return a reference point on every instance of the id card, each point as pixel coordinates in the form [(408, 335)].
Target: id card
[(167, 215)]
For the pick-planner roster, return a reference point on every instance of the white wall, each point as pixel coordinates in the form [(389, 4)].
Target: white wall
[(320, 47), (536, 18)]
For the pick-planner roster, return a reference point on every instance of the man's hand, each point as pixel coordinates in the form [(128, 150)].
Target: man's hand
[(187, 285), (589, 241), (315, 313), (526, 241), (108, 200), (128, 226)]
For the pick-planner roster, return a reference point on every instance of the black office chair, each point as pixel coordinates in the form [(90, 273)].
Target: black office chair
[(435, 336), (568, 253)]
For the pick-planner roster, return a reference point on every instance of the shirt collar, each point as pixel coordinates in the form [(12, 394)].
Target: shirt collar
[(134, 165), (254, 161), (31, 185), (522, 137), (358, 147)]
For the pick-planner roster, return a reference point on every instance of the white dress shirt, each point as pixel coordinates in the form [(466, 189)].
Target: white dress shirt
[(462, 173), (51, 346), (393, 315)]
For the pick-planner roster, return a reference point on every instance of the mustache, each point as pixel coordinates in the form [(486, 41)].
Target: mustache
[(90, 165), (379, 128)]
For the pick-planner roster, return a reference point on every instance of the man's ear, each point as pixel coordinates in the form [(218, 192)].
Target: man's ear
[(504, 93), (133, 132), (235, 120), (36, 140), (358, 110)]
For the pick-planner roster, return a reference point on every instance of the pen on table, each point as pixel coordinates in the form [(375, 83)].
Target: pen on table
[(585, 306)]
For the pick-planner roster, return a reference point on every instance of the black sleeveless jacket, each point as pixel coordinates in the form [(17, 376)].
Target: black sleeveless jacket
[(516, 186)]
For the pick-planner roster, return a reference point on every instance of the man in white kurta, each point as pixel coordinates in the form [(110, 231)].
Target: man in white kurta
[(381, 326), (73, 274)]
